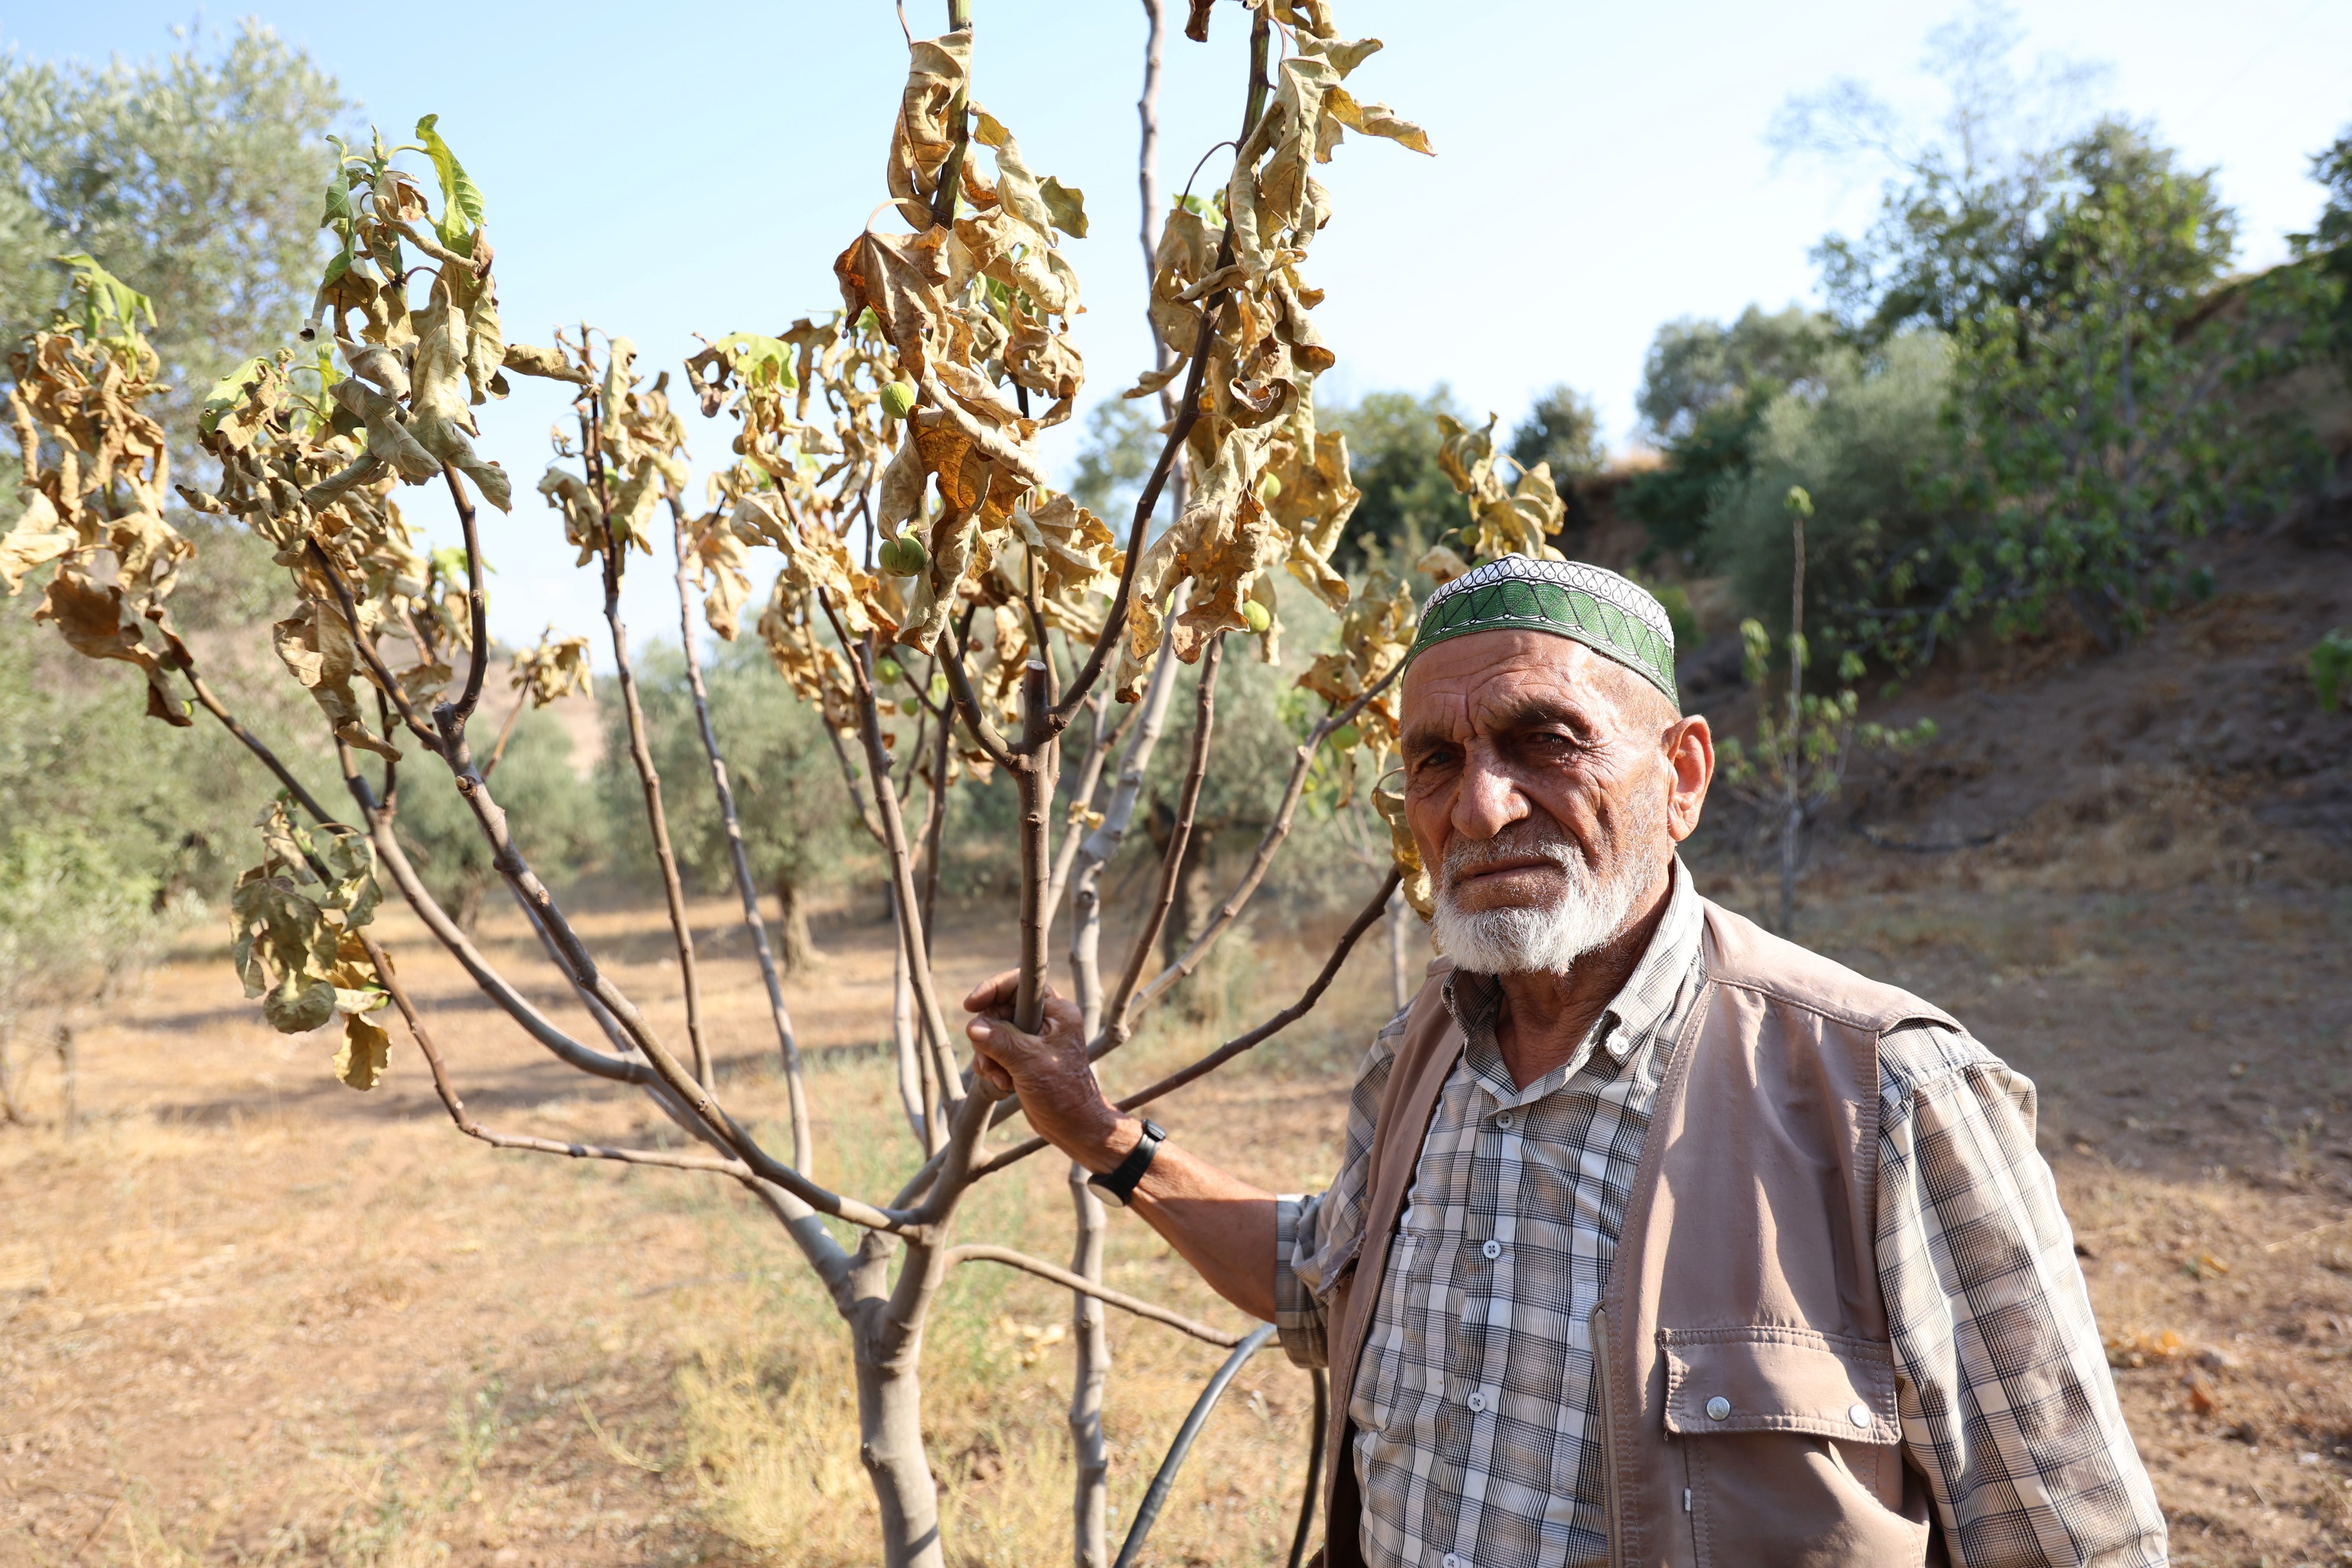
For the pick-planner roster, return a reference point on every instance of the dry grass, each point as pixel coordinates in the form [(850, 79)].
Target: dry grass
[(247, 1317)]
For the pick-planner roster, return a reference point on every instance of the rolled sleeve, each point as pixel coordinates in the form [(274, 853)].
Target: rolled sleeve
[(2006, 1400), (1298, 1316), (1311, 1233)]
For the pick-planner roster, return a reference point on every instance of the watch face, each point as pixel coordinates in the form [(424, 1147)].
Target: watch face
[(1106, 1195)]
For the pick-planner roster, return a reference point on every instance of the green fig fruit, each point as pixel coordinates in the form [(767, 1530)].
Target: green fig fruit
[(1345, 735), (1258, 617), (1268, 487), (899, 399), (903, 556), (888, 671)]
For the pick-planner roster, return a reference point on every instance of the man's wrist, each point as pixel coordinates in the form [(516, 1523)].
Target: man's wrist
[(1103, 1152)]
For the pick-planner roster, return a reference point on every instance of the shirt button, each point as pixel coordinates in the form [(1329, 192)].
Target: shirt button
[(1478, 1403), (1504, 1121), (1450, 1561), (1492, 1249), (1718, 1408), (1858, 1415)]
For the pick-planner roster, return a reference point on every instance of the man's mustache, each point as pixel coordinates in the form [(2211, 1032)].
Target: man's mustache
[(1544, 840)]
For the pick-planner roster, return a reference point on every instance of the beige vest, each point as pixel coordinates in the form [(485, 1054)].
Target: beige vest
[(1747, 1375)]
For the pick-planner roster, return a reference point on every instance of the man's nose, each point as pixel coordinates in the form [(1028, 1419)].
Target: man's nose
[(1488, 800)]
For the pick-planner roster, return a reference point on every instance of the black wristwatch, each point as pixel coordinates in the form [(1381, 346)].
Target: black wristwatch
[(1115, 1187)]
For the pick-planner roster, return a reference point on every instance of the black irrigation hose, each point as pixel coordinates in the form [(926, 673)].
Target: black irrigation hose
[(1314, 1467), (1156, 1496)]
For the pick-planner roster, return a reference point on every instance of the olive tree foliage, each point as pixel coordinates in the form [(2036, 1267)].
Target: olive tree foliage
[(1962, 223), (939, 610), (2034, 388), (1562, 429), (1407, 505), (1706, 389), (2327, 247), (194, 176)]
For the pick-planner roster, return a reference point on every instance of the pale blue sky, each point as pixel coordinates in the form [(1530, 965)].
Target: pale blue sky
[(661, 171)]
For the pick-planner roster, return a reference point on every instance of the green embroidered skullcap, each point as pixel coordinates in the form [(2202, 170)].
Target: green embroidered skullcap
[(1611, 615)]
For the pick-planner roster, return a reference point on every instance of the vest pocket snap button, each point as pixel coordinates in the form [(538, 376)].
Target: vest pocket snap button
[(1718, 1408), (1858, 1415)]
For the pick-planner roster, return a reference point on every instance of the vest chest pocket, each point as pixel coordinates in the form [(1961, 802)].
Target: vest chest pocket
[(1771, 1379), (1790, 1440)]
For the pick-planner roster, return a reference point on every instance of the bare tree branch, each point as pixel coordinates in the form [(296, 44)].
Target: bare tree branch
[(967, 700), (641, 754), (212, 704), (1120, 1028), (894, 845), (1119, 1298), (1372, 911), (795, 1088), (1188, 803), (1103, 843), (1036, 779), (823, 1252)]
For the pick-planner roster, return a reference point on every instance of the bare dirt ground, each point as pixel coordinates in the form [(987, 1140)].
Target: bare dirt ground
[(249, 1316)]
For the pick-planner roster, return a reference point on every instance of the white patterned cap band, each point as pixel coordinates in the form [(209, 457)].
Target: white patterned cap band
[(1612, 616)]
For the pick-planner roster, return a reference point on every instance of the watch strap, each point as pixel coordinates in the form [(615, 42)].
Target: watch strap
[(1116, 1187)]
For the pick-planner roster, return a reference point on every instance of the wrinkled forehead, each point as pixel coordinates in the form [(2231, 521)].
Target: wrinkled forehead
[(1486, 679)]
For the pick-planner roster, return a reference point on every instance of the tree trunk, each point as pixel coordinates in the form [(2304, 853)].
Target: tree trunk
[(799, 949), (9, 1114), (890, 1417), (68, 1073), (470, 904)]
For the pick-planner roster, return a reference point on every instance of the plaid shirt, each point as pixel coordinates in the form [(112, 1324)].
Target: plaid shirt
[(1468, 1453)]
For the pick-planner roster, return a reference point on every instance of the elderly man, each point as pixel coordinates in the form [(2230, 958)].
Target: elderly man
[(1658, 1239)]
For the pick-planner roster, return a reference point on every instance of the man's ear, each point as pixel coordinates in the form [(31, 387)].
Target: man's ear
[(1689, 746)]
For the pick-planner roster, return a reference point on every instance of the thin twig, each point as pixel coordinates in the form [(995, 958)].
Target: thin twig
[(1119, 1298), (1179, 840), (212, 704), (642, 757), (1101, 737), (1121, 1027), (1103, 843), (477, 600), (386, 682), (1372, 911), (506, 732), (894, 842), (795, 1089), (950, 657), (1188, 411)]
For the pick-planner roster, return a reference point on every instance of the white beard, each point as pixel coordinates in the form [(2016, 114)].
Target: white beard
[(1523, 940)]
